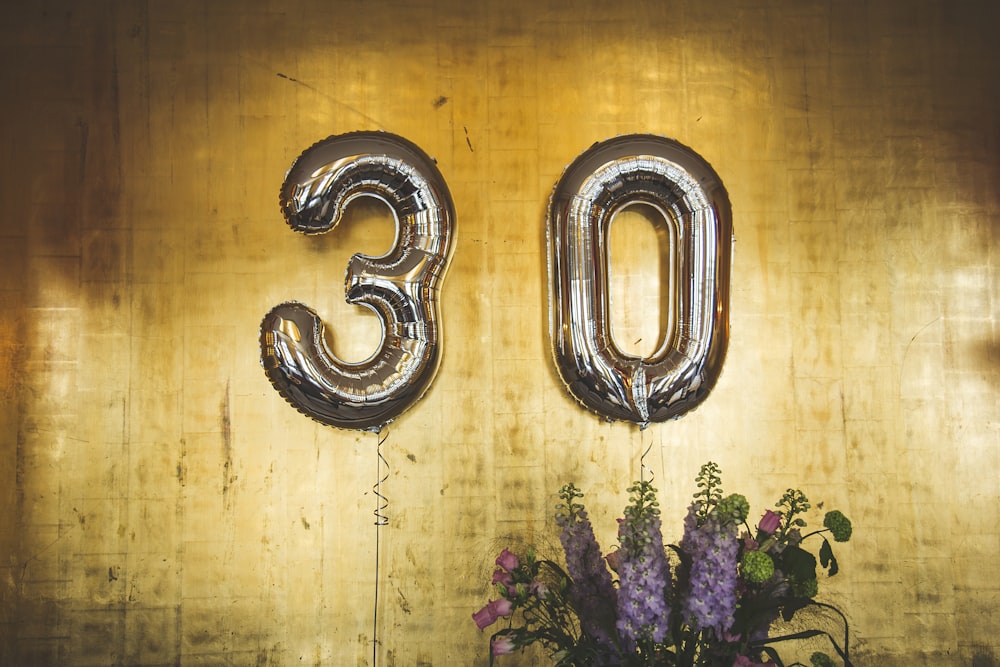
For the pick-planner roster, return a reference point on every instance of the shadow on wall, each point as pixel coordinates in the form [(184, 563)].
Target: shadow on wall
[(984, 659)]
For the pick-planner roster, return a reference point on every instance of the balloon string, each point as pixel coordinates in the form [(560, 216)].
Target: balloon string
[(382, 502), (381, 519), (642, 463)]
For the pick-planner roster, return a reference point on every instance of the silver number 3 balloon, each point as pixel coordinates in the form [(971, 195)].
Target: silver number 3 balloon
[(401, 286), (611, 175)]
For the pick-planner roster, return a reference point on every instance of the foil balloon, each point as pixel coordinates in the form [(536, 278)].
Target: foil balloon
[(402, 287), (694, 206)]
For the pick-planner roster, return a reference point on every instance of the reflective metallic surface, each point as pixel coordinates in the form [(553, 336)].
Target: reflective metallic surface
[(611, 175), (401, 287)]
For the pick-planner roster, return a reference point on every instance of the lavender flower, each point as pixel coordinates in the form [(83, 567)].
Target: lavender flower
[(644, 573), (713, 548), (592, 592)]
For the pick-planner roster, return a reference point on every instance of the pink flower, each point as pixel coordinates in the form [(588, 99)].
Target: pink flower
[(493, 610), (484, 617), (508, 560), (504, 577), (503, 607), (769, 522), (503, 645)]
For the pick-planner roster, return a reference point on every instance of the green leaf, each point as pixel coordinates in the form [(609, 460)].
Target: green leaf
[(798, 563), (827, 560), (792, 605)]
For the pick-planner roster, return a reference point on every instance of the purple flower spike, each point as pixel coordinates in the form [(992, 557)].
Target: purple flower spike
[(713, 548), (644, 573), (592, 592)]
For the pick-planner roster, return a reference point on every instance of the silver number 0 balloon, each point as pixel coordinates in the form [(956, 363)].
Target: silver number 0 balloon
[(401, 286), (611, 175)]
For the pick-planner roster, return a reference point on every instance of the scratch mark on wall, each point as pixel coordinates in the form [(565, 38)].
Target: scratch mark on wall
[(294, 80), (182, 464), (225, 418), (404, 604), (36, 556), (467, 140), (906, 350), (332, 99)]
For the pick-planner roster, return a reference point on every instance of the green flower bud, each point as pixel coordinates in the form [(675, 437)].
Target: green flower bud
[(733, 508), (820, 659), (838, 524), (756, 566), (806, 589)]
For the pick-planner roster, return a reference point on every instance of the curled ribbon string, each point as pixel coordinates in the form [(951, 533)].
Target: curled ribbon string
[(642, 463), (381, 519), (382, 502)]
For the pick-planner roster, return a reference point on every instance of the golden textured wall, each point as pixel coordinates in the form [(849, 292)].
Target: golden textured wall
[(163, 505)]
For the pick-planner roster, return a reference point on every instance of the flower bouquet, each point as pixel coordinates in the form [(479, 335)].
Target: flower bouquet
[(709, 601)]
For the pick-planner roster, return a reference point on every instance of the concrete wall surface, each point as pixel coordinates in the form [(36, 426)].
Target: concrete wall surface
[(163, 505)]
